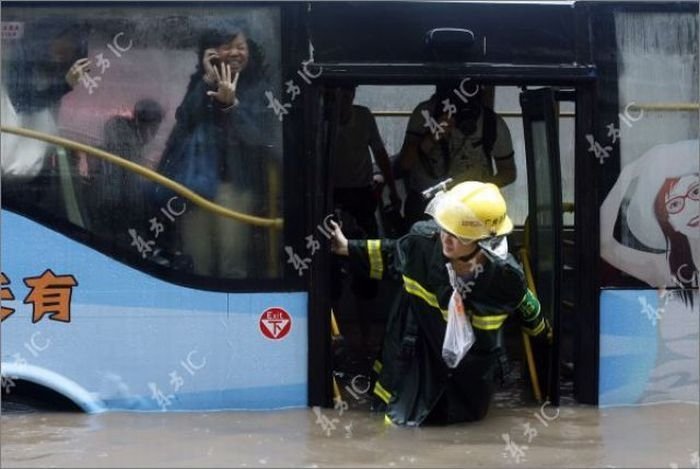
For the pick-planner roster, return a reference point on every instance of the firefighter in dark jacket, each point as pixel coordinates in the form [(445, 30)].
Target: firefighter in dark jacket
[(459, 257)]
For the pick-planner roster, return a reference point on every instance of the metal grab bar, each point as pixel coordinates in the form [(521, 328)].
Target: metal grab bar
[(653, 107), (275, 223), (500, 113), (678, 107)]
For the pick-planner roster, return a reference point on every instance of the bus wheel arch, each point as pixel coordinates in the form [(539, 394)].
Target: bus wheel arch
[(52, 381)]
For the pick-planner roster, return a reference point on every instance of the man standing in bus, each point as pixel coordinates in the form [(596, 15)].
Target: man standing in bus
[(120, 193), (353, 169), (354, 189), (455, 264), (454, 135)]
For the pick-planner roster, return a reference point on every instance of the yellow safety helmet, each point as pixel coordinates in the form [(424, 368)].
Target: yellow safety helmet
[(471, 211)]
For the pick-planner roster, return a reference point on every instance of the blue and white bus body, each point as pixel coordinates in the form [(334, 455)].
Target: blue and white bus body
[(135, 342)]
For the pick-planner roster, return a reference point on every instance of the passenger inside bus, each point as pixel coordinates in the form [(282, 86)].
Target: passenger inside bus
[(122, 194), (39, 70), (355, 195), (454, 135), (221, 131)]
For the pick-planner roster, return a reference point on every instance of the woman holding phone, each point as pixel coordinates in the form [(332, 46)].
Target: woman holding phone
[(223, 113)]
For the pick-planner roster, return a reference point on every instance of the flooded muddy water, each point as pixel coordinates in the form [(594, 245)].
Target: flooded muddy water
[(664, 435)]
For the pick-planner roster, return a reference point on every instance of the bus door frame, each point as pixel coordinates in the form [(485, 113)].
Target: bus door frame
[(581, 77)]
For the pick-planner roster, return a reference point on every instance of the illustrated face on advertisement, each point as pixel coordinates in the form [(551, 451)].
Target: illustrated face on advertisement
[(234, 53), (683, 206)]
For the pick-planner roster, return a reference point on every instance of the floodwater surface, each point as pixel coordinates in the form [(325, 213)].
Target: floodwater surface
[(664, 435)]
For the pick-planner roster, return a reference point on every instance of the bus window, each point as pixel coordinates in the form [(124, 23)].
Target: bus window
[(657, 137), (182, 91)]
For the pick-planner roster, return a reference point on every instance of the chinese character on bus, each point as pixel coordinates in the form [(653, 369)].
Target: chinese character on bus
[(50, 293), (6, 295)]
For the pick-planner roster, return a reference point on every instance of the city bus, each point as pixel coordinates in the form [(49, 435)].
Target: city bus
[(130, 284)]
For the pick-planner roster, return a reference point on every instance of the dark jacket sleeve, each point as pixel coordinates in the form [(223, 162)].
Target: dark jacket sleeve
[(375, 258), (510, 287), (530, 313), (226, 126), (250, 121), (21, 89)]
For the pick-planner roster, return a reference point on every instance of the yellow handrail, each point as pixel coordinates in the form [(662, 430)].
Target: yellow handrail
[(335, 331), (275, 223), (680, 107), (398, 113), (526, 339)]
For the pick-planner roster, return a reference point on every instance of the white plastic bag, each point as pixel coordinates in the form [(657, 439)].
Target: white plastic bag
[(23, 156), (459, 335)]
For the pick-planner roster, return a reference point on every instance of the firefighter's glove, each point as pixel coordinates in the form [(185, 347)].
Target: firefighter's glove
[(547, 334)]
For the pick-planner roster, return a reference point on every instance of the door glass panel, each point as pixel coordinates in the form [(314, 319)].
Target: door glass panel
[(545, 228), (545, 221)]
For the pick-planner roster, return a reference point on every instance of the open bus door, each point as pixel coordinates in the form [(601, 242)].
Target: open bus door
[(544, 240)]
